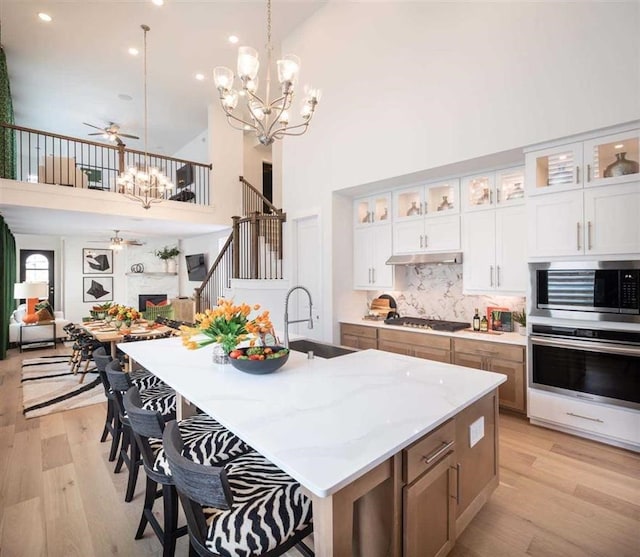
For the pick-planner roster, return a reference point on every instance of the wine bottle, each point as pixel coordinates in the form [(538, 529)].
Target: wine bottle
[(476, 321), (484, 324)]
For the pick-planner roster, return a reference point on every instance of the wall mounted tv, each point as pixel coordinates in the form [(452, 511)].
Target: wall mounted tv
[(196, 267)]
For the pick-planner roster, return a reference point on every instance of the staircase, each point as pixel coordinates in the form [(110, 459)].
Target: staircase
[(252, 251)]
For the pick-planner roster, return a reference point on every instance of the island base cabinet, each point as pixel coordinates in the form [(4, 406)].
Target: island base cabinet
[(476, 457), (360, 337), (429, 507)]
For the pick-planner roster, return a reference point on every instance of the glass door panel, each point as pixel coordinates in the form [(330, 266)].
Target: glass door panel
[(442, 198), (510, 186), (408, 203), (613, 158)]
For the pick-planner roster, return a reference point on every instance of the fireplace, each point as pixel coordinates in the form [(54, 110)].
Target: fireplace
[(153, 298)]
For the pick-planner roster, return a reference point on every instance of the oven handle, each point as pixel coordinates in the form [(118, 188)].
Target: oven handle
[(589, 347)]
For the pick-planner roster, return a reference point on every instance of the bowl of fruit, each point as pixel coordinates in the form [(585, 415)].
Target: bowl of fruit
[(259, 359)]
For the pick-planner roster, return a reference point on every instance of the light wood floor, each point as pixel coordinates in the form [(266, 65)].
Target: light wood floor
[(559, 495)]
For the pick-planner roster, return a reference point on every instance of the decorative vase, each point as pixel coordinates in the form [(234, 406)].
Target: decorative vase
[(220, 355), (621, 166), (127, 323), (170, 265), (413, 210)]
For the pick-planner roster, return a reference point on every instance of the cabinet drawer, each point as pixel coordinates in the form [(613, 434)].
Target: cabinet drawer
[(620, 424), (359, 343), (490, 349), (428, 451), (359, 330), (416, 339)]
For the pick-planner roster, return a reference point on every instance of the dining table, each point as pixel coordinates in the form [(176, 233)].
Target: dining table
[(104, 332), (337, 426)]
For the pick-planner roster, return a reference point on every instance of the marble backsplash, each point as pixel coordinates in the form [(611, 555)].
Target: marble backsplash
[(435, 291)]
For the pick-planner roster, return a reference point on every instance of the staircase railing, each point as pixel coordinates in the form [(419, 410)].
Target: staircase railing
[(49, 158), (218, 278), (252, 251)]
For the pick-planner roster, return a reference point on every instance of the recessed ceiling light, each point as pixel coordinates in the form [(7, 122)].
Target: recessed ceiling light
[(158, 2), (618, 146), (125, 97), (233, 39), (45, 17), (199, 76), (134, 51)]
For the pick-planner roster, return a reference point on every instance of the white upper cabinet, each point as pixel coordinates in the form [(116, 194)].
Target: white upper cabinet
[(371, 249), (490, 190), (436, 199), (374, 209), (605, 160)]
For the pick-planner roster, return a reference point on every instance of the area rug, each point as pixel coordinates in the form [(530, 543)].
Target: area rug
[(49, 386)]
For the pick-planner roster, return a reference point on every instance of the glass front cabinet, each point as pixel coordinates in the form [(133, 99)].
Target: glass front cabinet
[(375, 209), (438, 198), (606, 160), (493, 189)]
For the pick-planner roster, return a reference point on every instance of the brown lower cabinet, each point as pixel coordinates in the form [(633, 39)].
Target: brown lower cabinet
[(508, 359), (447, 481)]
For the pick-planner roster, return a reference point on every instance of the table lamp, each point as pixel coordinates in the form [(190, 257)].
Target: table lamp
[(31, 291)]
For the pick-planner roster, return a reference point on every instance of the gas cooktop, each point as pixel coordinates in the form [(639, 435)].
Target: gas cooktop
[(433, 324)]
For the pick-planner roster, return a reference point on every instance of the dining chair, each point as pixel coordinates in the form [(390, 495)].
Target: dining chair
[(159, 398), (246, 506), (206, 441)]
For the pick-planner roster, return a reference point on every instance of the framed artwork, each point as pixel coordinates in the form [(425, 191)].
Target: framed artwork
[(96, 261), (97, 289), (494, 317)]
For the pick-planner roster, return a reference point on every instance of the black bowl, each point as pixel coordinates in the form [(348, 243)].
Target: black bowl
[(260, 367)]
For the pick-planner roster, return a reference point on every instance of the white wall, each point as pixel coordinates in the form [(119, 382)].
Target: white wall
[(197, 150), (254, 154), (410, 86), (207, 244)]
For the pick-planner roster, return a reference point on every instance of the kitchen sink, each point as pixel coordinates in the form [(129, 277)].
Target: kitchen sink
[(320, 349)]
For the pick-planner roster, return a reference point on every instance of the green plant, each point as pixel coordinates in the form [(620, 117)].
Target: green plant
[(520, 317), (167, 253)]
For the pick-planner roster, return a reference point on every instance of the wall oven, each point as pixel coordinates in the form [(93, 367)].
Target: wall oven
[(600, 365), (588, 290)]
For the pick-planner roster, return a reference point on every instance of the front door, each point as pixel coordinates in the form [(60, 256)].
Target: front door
[(38, 266)]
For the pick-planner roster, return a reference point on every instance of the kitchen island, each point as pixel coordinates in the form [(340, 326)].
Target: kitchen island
[(368, 435)]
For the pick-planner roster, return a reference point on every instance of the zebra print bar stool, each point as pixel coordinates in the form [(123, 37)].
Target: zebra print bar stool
[(245, 507), (160, 398), (206, 442)]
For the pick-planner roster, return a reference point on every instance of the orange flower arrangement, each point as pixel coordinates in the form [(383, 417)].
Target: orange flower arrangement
[(226, 324)]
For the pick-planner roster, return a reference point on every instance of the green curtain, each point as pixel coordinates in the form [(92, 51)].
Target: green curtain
[(7, 280), (7, 137)]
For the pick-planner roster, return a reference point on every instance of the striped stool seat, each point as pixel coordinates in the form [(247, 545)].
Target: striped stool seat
[(268, 509), (206, 441), (247, 506), (144, 379), (160, 398)]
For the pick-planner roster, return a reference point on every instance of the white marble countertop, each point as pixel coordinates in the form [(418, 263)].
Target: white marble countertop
[(324, 422), (493, 336)]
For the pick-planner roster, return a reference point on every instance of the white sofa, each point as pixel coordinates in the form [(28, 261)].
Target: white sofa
[(34, 334)]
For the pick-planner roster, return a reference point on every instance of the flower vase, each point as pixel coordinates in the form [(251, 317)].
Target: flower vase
[(170, 265), (220, 355), (127, 323)]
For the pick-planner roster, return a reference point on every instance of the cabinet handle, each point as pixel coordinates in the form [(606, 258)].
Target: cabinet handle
[(578, 235), (498, 195), (373, 275), (490, 197), (588, 173), (443, 449), (369, 275), (425, 241), (458, 466), (498, 275), (577, 174), (589, 234), (423, 207), (420, 240), (491, 275), (585, 417)]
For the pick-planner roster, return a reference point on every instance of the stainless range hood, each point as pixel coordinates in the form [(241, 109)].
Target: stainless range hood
[(425, 258)]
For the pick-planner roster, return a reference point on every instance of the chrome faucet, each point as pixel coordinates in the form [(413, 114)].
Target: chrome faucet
[(286, 313)]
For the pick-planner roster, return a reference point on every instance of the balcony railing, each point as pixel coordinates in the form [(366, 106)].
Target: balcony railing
[(49, 158)]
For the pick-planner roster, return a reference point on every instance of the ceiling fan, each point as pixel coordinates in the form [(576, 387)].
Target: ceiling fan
[(117, 242), (111, 132)]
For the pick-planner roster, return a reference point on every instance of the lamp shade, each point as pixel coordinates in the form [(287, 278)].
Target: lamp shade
[(28, 290)]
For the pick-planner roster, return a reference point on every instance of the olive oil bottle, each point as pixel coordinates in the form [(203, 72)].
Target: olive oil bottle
[(484, 324), (476, 321)]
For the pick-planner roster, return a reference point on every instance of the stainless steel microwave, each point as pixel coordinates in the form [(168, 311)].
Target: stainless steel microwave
[(593, 290)]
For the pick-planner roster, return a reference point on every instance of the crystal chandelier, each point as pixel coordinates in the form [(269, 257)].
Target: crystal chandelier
[(144, 183), (269, 119)]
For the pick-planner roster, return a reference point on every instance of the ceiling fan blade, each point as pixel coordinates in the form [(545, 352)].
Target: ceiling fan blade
[(92, 126), (98, 133), (128, 135)]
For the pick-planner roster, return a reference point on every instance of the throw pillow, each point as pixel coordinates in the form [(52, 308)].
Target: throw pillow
[(159, 304), (45, 314)]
